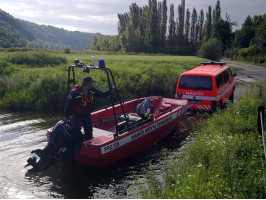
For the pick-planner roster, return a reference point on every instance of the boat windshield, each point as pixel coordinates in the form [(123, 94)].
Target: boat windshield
[(196, 83)]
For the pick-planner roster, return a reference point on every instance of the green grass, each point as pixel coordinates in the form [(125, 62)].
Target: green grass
[(222, 161), (36, 59), (42, 77)]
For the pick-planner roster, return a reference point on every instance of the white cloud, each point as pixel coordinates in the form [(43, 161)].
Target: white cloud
[(106, 18), (72, 17), (101, 15)]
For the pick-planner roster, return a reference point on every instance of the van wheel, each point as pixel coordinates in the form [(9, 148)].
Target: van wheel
[(231, 98), (221, 105)]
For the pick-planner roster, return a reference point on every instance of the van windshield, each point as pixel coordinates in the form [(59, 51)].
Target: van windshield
[(195, 83)]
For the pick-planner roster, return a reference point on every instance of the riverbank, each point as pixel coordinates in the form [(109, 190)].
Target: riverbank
[(223, 159)]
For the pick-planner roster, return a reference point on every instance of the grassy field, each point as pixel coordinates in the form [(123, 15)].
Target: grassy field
[(224, 160), (38, 79)]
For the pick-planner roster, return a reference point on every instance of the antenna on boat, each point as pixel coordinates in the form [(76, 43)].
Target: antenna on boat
[(93, 63)]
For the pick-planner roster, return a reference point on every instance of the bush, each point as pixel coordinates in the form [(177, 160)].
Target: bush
[(212, 49), (243, 52), (5, 68), (67, 50), (251, 51), (42, 89), (36, 59), (254, 50)]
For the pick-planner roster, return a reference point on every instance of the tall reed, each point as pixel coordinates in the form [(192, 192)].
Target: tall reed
[(42, 82)]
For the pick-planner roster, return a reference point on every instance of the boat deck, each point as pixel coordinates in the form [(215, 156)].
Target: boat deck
[(110, 132)]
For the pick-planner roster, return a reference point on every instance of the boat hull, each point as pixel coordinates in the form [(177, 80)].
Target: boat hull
[(104, 150)]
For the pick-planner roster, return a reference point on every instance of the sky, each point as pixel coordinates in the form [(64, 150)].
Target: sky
[(101, 15)]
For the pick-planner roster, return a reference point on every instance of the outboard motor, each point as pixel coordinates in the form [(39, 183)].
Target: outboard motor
[(60, 142)]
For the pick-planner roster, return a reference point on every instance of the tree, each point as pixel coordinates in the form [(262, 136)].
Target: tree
[(163, 22), (208, 24), (248, 22), (172, 26), (187, 26), (212, 49), (193, 37), (222, 31), (153, 17), (123, 20), (200, 23), (261, 29), (134, 15), (180, 23), (216, 12), (243, 36)]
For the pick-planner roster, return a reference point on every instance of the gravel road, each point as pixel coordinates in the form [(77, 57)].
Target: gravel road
[(246, 75)]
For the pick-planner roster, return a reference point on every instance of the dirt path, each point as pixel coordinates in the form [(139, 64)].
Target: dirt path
[(246, 75)]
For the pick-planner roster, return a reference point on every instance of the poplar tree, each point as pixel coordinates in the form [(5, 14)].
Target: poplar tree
[(180, 23), (153, 16), (193, 38), (187, 26), (123, 20), (218, 10), (134, 15), (216, 14), (200, 22), (172, 26), (163, 22), (208, 24)]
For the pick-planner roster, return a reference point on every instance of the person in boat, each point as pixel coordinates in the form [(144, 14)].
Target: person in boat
[(78, 108)]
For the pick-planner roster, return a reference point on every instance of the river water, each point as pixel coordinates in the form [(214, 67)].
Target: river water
[(20, 133)]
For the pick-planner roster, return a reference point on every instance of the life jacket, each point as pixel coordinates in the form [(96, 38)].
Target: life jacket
[(83, 107)]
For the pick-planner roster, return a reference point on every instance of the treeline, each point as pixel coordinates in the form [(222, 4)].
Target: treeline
[(18, 33), (50, 37), (150, 29)]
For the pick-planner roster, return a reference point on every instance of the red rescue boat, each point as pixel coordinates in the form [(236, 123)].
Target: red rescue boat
[(107, 146), (118, 131)]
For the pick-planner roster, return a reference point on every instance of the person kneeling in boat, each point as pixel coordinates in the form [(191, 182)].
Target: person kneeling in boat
[(78, 108)]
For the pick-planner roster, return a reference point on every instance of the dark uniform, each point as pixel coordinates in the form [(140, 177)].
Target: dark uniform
[(78, 110)]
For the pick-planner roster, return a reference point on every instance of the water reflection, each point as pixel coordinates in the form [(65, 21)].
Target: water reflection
[(20, 133)]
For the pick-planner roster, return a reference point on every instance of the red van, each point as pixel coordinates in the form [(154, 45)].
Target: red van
[(206, 86)]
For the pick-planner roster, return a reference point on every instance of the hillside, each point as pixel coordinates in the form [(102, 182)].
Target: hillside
[(19, 33), (12, 33)]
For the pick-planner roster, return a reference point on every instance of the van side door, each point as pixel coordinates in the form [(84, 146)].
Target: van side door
[(220, 88)]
